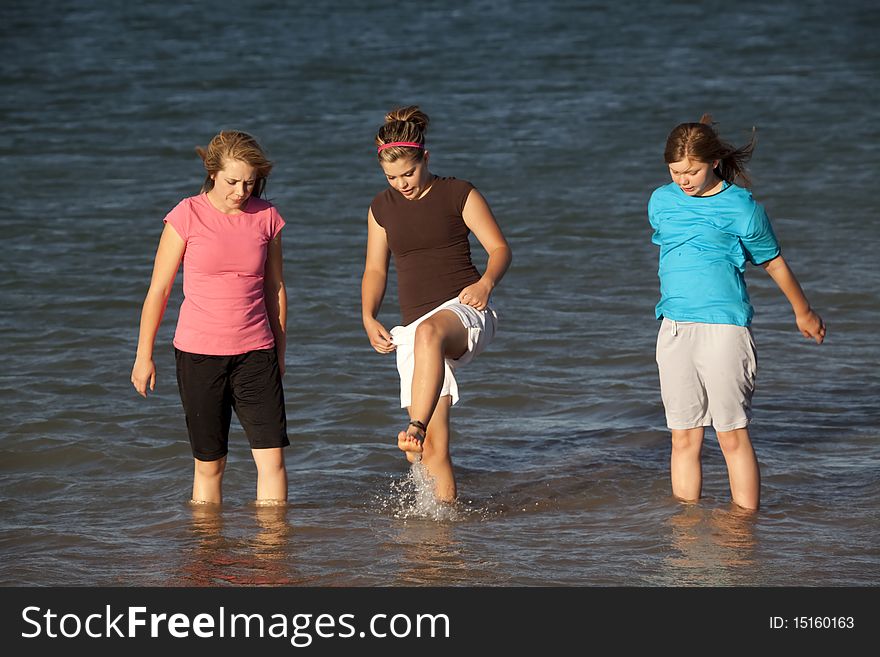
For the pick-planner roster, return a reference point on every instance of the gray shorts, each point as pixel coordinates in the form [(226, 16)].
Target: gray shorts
[(707, 374)]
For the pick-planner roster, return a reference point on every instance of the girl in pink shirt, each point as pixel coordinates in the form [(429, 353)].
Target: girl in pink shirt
[(231, 333)]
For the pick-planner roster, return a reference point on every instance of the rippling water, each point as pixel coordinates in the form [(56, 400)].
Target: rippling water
[(558, 112)]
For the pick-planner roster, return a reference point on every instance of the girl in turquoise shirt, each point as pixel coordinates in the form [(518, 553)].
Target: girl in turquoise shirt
[(707, 229)]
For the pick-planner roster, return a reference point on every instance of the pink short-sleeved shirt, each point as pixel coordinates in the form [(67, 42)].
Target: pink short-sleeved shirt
[(224, 266)]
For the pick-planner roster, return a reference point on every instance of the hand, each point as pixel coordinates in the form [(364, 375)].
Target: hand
[(143, 374), (379, 337), (476, 295), (811, 326)]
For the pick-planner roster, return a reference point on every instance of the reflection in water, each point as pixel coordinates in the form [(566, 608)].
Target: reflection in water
[(201, 561), (424, 546), (429, 555), (259, 558), (712, 547), (270, 543)]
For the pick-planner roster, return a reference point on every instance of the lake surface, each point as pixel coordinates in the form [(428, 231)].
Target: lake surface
[(558, 113)]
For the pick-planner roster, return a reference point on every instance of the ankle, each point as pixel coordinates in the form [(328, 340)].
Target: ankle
[(417, 429)]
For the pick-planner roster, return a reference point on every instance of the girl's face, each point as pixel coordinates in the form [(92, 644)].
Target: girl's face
[(694, 177), (233, 186), (408, 176)]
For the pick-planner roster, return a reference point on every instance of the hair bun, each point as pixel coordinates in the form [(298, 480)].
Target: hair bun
[(409, 114)]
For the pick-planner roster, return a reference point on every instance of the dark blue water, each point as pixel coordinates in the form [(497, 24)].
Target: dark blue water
[(558, 112)]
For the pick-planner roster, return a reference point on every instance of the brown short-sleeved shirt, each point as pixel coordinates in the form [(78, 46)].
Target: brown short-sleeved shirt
[(429, 241)]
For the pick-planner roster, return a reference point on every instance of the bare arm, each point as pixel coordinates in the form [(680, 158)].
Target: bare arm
[(808, 321), (479, 218), (373, 285), (276, 298), (167, 262)]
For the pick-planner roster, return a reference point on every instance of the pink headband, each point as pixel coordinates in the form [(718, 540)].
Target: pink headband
[(411, 144)]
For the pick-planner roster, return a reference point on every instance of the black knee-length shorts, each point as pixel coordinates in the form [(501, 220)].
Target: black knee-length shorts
[(211, 387)]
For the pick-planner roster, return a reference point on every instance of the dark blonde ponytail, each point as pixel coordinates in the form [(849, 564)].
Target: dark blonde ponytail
[(700, 142)]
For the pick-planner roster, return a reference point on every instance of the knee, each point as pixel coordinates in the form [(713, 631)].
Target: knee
[(687, 441), (733, 441), (271, 468), (210, 469), (428, 335), (269, 461)]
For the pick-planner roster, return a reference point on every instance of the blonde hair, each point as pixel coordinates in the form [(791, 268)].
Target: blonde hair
[(407, 124), (700, 142), (234, 145)]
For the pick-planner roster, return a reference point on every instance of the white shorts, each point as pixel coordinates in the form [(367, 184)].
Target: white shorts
[(480, 325), (707, 374)]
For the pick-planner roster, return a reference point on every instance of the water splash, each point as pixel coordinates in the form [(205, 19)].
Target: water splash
[(413, 497)]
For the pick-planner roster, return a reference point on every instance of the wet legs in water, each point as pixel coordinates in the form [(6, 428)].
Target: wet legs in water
[(208, 481), (271, 478), (742, 465), (438, 337)]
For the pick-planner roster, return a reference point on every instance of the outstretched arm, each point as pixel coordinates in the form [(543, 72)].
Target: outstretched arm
[(479, 218), (168, 257), (808, 321), (373, 286)]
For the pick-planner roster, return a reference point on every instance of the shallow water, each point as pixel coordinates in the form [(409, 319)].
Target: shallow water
[(557, 112)]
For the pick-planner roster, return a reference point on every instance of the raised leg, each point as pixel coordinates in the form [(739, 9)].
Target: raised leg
[(438, 337)]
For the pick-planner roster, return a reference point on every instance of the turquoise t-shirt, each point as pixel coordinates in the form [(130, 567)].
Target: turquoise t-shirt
[(705, 242)]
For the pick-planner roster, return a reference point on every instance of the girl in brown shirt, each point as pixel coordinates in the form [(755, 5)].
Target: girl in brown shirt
[(424, 221)]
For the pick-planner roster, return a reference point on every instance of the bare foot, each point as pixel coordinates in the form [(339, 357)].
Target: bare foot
[(411, 443)]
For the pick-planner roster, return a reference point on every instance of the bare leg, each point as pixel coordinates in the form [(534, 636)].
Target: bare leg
[(742, 467), (686, 465), (208, 481), (271, 475), (438, 337)]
